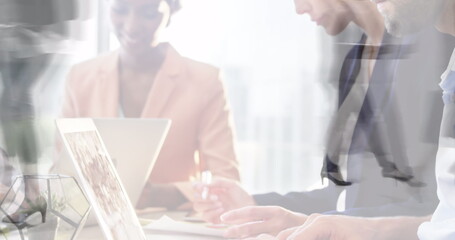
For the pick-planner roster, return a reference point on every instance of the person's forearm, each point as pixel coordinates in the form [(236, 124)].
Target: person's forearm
[(398, 227)]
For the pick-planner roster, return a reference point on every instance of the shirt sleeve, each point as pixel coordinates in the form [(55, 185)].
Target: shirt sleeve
[(448, 88), (448, 82)]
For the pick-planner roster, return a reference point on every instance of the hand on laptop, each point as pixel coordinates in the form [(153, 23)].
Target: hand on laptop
[(223, 195), (325, 227), (332, 228), (262, 237), (254, 220)]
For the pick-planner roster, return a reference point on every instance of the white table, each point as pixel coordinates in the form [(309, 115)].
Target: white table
[(94, 233)]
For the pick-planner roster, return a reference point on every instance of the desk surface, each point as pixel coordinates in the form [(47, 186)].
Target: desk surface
[(94, 232)]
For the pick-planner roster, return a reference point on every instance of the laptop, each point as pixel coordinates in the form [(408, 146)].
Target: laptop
[(99, 179), (133, 145)]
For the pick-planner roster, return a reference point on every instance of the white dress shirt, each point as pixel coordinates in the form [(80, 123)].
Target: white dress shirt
[(442, 224)]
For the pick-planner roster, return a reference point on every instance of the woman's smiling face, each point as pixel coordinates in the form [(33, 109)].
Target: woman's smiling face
[(139, 23)]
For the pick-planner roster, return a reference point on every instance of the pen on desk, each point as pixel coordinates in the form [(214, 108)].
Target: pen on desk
[(206, 179)]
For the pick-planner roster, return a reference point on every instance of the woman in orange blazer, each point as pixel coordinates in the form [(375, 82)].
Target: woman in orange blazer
[(149, 79)]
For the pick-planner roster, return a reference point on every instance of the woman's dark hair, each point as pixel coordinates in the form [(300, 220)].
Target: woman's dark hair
[(174, 4)]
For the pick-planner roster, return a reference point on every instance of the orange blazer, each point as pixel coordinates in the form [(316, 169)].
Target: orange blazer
[(189, 93)]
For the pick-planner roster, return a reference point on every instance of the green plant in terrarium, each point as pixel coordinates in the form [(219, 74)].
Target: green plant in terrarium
[(4, 231), (58, 204)]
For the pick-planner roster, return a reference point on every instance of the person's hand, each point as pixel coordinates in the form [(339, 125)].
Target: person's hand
[(326, 227), (262, 237), (223, 195), (254, 220)]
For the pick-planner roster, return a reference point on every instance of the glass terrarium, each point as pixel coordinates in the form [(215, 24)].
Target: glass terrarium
[(44, 207)]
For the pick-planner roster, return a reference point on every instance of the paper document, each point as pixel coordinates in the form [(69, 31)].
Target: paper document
[(166, 223)]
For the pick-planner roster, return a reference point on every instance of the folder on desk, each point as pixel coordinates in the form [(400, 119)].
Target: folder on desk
[(166, 223)]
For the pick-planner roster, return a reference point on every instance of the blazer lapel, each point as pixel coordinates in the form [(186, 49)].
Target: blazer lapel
[(164, 85)]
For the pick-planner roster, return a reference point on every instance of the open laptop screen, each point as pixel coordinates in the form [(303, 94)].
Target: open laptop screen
[(115, 213)]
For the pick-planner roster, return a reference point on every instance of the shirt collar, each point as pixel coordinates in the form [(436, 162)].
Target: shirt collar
[(450, 67), (447, 82)]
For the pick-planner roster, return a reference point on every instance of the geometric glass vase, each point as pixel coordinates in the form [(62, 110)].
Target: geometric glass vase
[(55, 208)]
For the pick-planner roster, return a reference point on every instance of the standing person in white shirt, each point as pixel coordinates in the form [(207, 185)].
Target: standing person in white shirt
[(441, 226)]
